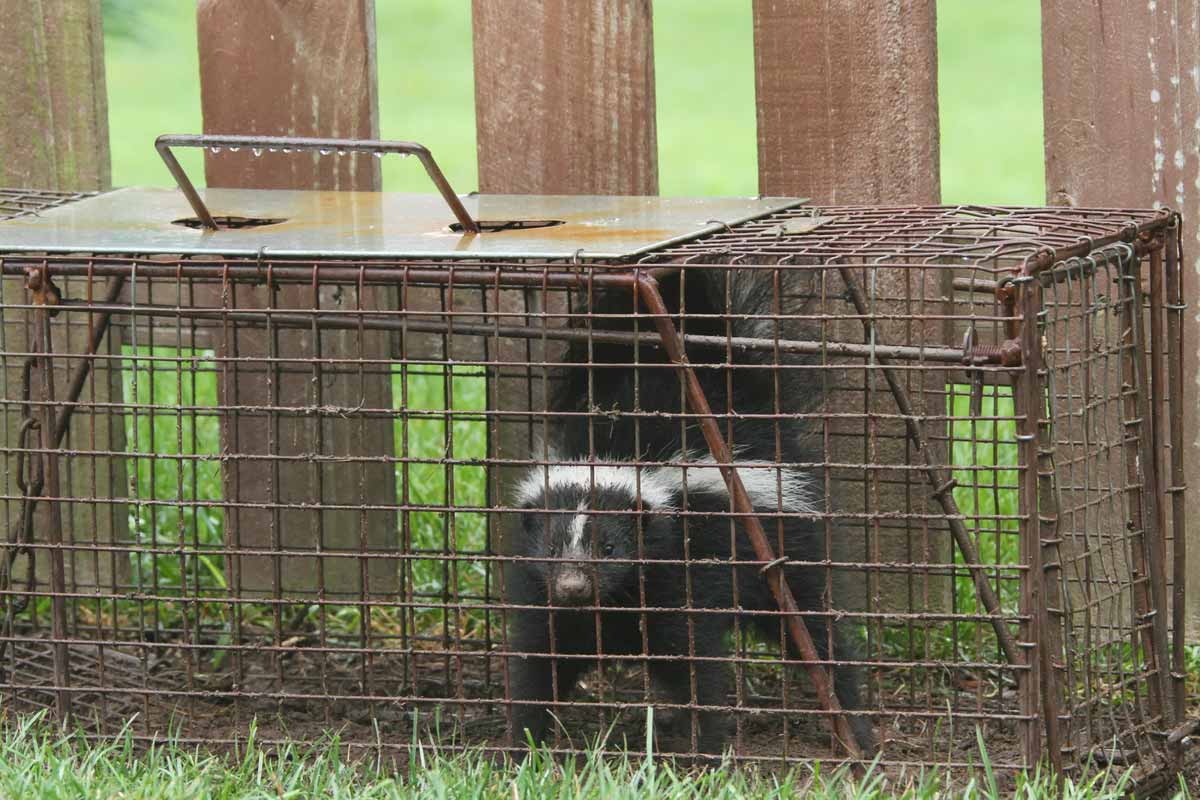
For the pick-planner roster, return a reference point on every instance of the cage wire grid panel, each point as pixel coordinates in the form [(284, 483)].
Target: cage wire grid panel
[(432, 499)]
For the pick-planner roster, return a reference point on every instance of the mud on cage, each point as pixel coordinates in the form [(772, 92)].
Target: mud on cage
[(334, 462)]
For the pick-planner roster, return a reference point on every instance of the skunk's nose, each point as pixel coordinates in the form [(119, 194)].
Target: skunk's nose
[(572, 587)]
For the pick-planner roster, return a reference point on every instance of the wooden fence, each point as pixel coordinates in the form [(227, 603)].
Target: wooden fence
[(565, 103)]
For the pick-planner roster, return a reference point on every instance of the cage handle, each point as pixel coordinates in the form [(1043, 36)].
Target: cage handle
[(164, 143)]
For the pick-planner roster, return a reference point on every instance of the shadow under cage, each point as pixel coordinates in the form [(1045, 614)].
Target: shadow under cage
[(810, 482)]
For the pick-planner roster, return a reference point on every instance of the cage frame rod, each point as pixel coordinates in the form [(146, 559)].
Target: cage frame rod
[(1006, 354), (1038, 528), (1147, 553), (1174, 308), (43, 345), (646, 291)]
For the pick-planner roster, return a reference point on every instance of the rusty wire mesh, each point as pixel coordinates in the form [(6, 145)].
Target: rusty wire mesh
[(20, 202), (288, 491)]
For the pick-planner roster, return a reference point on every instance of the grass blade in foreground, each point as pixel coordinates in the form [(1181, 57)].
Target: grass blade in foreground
[(38, 763)]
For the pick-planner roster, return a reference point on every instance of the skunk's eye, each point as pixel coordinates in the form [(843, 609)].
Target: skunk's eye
[(554, 548), (608, 548)]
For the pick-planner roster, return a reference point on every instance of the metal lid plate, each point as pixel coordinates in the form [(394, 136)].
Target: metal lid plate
[(317, 224)]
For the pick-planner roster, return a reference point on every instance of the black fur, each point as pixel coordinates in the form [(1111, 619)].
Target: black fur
[(616, 536)]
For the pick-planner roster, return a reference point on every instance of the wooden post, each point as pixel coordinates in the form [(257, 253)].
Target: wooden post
[(278, 68), (301, 69), (1122, 105), (847, 101), (53, 107), (54, 135), (564, 96), (564, 104), (847, 114)]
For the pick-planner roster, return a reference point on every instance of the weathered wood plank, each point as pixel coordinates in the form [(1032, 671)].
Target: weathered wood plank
[(847, 101), (847, 113), (54, 135), (1122, 115), (301, 69), (53, 106), (564, 104), (564, 97), (288, 68)]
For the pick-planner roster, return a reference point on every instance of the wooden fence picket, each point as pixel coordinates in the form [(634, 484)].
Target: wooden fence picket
[(300, 69), (54, 135), (1121, 88), (564, 97), (847, 114), (847, 101)]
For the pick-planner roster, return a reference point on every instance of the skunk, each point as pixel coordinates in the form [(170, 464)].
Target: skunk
[(630, 493)]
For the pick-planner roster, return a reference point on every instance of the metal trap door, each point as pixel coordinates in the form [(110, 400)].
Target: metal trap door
[(1098, 510)]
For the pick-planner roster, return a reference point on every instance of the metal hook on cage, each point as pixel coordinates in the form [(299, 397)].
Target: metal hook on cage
[(30, 481), (577, 260), (260, 256), (720, 222), (44, 291), (975, 376)]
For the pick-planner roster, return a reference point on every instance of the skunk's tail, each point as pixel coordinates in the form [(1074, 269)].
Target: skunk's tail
[(762, 303)]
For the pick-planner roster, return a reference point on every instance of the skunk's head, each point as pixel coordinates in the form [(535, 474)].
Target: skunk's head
[(586, 522), (583, 524)]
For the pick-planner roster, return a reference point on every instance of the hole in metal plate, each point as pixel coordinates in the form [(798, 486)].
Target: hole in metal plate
[(230, 222), (498, 225)]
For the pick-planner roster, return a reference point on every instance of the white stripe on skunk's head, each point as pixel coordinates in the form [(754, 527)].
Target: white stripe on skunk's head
[(628, 482), (661, 487)]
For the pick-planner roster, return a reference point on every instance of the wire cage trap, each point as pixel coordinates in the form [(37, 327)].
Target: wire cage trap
[(808, 481)]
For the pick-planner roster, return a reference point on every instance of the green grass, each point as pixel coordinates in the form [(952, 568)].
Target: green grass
[(990, 97), (179, 534), (984, 453), (426, 438), (38, 764), (165, 376)]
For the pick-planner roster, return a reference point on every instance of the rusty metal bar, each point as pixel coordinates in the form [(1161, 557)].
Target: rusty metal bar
[(979, 285), (1178, 483), (646, 291), (54, 534), (938, 479), (1047, 257), (1154, 397), (99, 331), (164, 143), (1007, 354), (1136, 430), (1149, 461), (255, 273), (1039, 536)]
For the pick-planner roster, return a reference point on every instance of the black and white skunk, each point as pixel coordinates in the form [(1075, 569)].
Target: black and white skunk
[(630, 493)]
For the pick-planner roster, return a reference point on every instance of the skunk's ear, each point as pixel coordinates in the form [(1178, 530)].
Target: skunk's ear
[(664, 511)]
